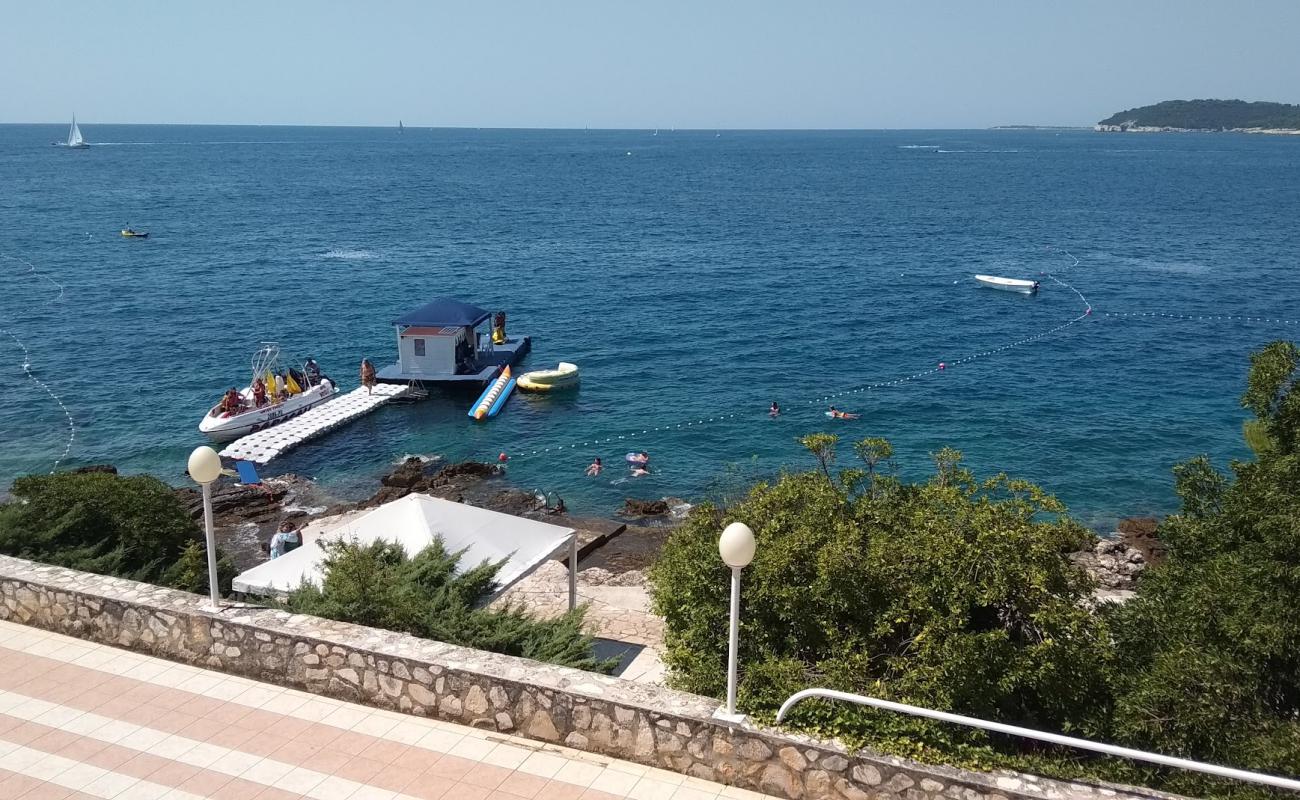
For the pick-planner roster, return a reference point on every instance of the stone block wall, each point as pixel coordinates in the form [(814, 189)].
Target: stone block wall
[(596, 713)]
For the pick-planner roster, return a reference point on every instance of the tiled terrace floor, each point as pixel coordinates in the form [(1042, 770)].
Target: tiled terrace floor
[(82, 720)]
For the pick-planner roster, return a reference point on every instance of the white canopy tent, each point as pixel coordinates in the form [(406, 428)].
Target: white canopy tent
[(413, 522)]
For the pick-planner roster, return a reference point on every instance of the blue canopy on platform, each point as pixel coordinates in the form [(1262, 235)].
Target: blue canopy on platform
[(444, 312)]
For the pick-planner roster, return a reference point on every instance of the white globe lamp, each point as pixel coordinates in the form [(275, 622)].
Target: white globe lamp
[(736, 546), (205, 465), (205, 468)]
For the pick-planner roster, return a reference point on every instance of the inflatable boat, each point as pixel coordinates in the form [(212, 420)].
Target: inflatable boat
[(549, 380), (494, 397)]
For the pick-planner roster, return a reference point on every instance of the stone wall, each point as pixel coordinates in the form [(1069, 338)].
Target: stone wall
[(596, 713)]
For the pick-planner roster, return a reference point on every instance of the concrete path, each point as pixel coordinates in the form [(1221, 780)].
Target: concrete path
[(81, 720)]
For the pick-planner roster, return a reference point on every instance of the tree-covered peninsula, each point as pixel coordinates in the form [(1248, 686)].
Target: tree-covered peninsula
[(1207, 115)]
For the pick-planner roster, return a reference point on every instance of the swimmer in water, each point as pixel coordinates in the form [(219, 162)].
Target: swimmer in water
[(595, 468), (774, 411), (835, 413), (639, 470)]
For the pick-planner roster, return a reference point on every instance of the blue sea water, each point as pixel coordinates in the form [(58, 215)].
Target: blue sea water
[(693, 275)]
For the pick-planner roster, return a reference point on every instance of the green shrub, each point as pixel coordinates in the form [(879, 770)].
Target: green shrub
[(130, 527), (378, 585), (953, 594), (190, 572), (1209, 651)]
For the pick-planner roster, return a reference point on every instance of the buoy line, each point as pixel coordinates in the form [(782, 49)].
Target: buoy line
[(940, 367), (27, 365), (1197, 317), (31, 268)]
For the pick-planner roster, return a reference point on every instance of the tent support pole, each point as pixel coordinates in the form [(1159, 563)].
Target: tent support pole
[(573, 571)]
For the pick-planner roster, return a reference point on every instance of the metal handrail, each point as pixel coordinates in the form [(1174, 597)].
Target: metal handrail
[(1029, 733)]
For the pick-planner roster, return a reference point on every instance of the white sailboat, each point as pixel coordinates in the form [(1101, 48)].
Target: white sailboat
[(400, 128), (75, 139)]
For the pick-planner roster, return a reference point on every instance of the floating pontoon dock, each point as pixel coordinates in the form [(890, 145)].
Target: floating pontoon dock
[(264, 445)]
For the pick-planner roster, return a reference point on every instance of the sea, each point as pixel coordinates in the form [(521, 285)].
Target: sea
[(695, 276)]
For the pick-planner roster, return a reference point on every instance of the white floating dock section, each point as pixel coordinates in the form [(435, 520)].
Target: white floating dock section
[(265, 445)]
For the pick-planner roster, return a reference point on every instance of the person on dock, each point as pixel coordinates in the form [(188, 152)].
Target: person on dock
[(595, 468), (367, 375), (774, 411), (835, 413)]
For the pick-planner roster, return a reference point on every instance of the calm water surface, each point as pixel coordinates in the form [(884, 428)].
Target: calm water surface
[(691, 275)]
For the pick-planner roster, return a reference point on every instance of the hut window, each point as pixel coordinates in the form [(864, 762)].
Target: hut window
[(419, 347)]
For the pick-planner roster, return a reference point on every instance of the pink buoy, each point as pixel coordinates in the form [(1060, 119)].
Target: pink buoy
[(942, 365), (503, 458)]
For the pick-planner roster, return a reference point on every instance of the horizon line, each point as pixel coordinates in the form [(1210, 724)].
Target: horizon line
[(1080, 126)]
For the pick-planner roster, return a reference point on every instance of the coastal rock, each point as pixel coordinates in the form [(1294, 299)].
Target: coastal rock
[(406, 475), (108, 468), (235, 502), (470, 469), (645, 508), (1140, 534), (430, 476)]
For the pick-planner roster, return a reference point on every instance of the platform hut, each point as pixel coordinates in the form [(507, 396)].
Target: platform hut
[(449, 342)]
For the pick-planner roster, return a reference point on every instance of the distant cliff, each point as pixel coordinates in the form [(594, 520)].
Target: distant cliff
[(1206, 115)]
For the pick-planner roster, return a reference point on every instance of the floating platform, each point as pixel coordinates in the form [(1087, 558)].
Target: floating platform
[(264, 445), (489, 363)]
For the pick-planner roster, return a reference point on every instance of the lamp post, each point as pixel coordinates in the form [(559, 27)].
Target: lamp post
[(736, 546), (205, 468)]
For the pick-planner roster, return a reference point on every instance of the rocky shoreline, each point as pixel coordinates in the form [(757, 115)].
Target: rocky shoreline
[(617, 548), (1117, 563), (245, 517)]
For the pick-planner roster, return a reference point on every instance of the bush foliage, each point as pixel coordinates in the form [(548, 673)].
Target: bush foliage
[(952, 593), (130, 527), (1209, 651), (955, 593), (379, 585)]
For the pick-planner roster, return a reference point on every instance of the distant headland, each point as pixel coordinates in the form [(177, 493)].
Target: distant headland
[(1236, 116)]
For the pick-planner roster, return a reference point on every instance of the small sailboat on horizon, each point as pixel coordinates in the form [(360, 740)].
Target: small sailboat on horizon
[(75, 140), (400, 129)]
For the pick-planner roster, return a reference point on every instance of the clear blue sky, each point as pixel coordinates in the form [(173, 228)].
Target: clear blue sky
[(603, 63)]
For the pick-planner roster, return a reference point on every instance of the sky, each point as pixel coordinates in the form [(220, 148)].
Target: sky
[(610, 64)]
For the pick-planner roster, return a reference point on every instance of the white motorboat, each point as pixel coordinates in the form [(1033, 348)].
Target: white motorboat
[(273, 395), (1007, 284)]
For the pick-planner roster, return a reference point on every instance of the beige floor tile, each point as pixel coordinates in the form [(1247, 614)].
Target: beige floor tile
[(439, 740), (650, 789), (543, 764), (473, 749), (615, 782), (578, 773)]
